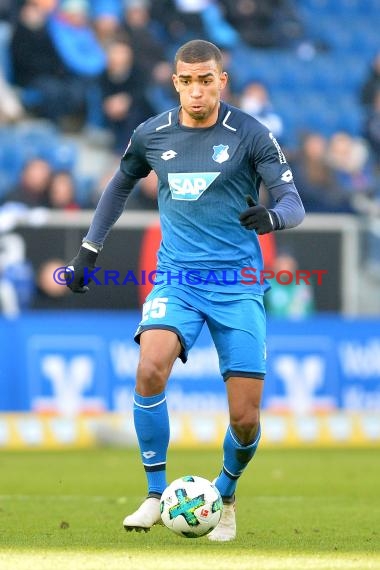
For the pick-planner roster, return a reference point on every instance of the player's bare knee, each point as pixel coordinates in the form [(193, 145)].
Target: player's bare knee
[(151, 377), (246, 425)]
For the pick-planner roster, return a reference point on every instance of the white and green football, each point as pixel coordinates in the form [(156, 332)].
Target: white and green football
[(191, 506)]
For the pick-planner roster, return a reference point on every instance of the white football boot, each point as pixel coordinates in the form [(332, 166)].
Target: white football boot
[(226, 528), (146, 516)]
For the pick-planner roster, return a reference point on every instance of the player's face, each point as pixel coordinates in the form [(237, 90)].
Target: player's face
[(199, 86)]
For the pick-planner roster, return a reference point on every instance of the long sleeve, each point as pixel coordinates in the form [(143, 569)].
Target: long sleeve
[(109, 208), (289, 210)]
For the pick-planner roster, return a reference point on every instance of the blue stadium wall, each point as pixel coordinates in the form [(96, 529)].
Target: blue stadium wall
[(67, 379)]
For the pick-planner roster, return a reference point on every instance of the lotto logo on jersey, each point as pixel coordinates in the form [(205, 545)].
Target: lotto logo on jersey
[(190, 185)]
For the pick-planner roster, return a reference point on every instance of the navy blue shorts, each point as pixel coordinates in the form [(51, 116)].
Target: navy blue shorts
[(237, 325)]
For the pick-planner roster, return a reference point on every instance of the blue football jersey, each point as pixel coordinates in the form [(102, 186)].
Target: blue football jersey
[(204, 177)]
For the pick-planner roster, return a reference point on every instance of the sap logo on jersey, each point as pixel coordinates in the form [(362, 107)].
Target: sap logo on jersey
[(190, 185)]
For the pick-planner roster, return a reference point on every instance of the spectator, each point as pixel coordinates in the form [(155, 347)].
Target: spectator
[(160, 92), (144, 35), (216, 28), (372, 129), (123, 93), (16, 275), (61, 191), (186, 19), (32, 188), (9, 10), (352, 167), (264, 23), (372, 83), (106, 19), (355, 174), (294, 300), (48, 88), (75, 39), (50, 293), (106, 27), (100, 7), (76, 43), (181, 19), (315, 178), (255, 101), (11, 109)]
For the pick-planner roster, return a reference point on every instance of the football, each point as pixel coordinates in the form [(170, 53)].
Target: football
[(191, 506)]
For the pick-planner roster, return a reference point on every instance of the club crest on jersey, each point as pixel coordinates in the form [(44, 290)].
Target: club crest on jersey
[(220, 153), (190, 185)]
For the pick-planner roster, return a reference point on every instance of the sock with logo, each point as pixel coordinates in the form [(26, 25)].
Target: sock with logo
[(236, 458), (152, 428)]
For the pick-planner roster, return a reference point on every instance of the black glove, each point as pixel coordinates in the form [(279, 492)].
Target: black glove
[(78, 270), (258, 218)]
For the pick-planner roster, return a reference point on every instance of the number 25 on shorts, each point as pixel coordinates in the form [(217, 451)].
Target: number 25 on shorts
[(154, 309)]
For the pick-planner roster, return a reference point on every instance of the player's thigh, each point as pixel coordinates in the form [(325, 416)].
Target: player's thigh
[(165, 310), (159, 346), (238, 329)]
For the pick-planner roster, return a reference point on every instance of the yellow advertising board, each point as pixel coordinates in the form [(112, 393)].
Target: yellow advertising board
[(29, 430)]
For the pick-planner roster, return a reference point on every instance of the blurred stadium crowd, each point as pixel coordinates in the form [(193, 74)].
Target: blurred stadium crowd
[(76, 74)]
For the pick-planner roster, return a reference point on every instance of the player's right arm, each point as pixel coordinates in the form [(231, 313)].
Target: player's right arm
[(109, 209)]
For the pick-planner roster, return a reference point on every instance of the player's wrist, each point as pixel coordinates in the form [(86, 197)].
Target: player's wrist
[(86, 257), (90, 247), (275, 220)]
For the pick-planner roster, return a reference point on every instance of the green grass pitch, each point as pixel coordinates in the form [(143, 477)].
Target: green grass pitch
[(297, 509)]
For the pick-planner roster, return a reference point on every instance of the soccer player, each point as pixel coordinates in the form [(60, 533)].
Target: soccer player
[(210, 159)]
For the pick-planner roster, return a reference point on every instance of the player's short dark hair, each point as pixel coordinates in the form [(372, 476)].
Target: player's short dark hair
[(196, 51)]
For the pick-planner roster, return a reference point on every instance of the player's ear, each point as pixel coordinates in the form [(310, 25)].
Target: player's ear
[(175, 82), (223, 79)]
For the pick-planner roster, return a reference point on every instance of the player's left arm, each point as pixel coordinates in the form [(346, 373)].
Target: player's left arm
[(271, 165), (288, 211)]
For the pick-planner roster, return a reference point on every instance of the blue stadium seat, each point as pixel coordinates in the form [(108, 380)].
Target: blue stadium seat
[(355, 68), (316, 74), (63, 156), (11, 162), (357, 7), (366, 30), (338, 7), (36, 139), (315, 6), (351, 115), (258, 65)]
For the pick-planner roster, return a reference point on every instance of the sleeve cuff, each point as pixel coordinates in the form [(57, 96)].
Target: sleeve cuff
[(90, 246), (276, 220)]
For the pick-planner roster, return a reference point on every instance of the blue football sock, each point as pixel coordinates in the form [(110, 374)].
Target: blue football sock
[(236, 458), (152, 428)]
